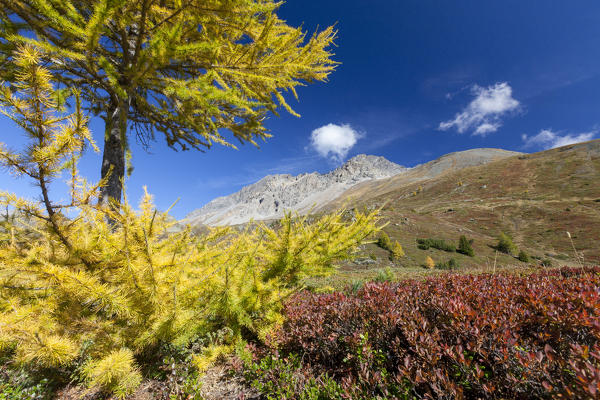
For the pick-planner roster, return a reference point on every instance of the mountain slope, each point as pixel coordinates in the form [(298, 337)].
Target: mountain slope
[(536, 198), (446, 164), (270, 197)]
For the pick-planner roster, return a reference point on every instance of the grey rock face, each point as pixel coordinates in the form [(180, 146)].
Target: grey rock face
[(273, 195)]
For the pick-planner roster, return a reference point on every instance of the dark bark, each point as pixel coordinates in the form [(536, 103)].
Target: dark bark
[(113, 159)]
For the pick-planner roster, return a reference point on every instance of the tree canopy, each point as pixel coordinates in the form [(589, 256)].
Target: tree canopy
[(187, 69)]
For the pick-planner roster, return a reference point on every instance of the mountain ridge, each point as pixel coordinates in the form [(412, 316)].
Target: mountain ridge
[(272, 195)]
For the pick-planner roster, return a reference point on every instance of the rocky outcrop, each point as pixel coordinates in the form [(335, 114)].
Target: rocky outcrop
[(270, 197)]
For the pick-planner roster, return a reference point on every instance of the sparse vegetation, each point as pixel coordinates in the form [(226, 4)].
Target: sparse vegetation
[(536, 218), (440, 244), (547, 262), (464, 246), (385, 275)]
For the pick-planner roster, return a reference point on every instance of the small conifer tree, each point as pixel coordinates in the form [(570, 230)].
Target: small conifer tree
[(523, 256), (397, 251), (384, 241), (464, 246), (429, 263), (505, 244), (451, 264)]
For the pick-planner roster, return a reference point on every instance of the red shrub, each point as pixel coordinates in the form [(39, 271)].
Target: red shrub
[(473, 336)]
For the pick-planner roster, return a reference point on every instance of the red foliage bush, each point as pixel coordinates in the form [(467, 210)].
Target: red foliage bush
[(457, 336)]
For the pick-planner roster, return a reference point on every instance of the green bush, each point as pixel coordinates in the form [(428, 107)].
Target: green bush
[(440, 244), (505, 244), (451, 264), (356, 285), (546, 262), (384, 241), (12, 392), (524, 257), (286, 378), (464, 246), (19, 384), (385, 275)]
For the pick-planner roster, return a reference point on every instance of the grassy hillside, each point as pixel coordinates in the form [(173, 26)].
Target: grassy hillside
[(535, 198)]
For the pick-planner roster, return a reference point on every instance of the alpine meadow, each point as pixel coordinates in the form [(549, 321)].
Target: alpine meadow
[(311, 264)]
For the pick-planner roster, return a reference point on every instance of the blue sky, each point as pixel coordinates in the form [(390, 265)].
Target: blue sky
[(418, 79)]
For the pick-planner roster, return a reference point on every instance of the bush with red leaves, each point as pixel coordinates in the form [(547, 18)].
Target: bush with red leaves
[(457, 336)]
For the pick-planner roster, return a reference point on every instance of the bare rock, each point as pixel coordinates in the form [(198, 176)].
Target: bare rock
[(273, 195)]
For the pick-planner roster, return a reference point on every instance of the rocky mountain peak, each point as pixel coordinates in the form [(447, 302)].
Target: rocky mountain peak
[(271, 196), (362, 175), (363, 167)]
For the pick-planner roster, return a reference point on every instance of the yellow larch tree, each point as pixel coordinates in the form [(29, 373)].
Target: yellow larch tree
[(76, 289), (188, 70)]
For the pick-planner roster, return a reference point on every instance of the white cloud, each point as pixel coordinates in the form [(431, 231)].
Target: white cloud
[(486, 128), (548, 139), (334, 141), (484, 112)]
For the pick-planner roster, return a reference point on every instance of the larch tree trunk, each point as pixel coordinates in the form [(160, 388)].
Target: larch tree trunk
[(113, 159)]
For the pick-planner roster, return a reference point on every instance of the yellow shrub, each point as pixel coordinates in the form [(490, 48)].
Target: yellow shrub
[(397, 250), (429, 263), (209, 355), (48, 351), (116, 372)]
